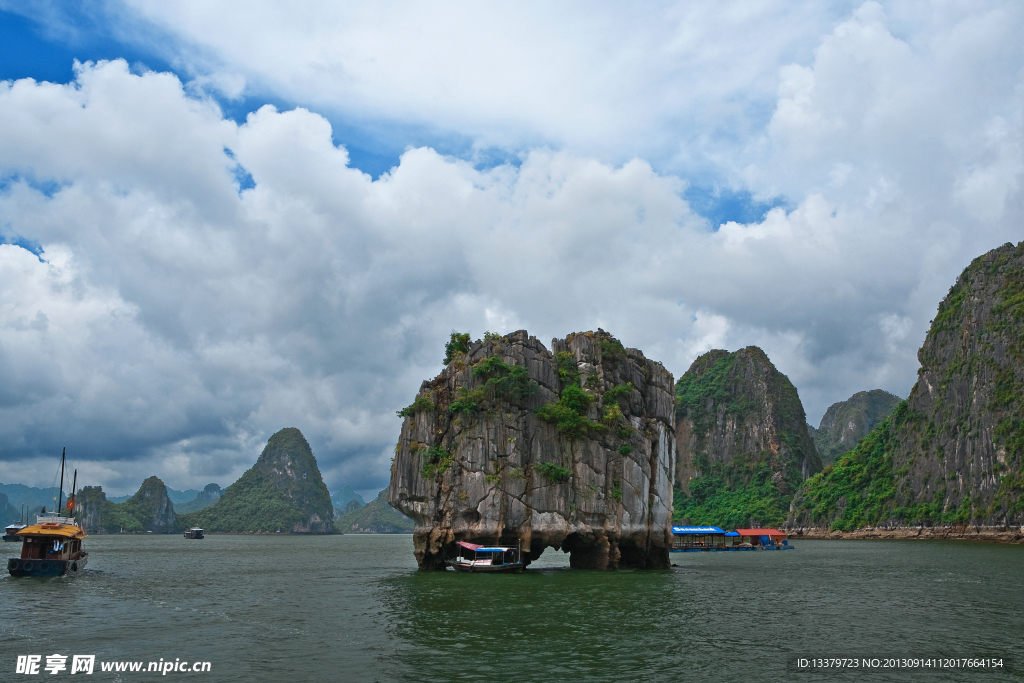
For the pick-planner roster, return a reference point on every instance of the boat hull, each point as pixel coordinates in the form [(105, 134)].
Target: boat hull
[(11, 538), (487, 569), (45, 568)]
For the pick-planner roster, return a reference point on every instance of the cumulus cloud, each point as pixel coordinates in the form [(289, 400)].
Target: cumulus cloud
[(206, 282)]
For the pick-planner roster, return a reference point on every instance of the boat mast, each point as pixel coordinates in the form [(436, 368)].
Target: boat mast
[(73, 497), (60, 495)]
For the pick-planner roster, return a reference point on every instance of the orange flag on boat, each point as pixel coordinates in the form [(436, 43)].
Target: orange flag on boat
[(71, 503)]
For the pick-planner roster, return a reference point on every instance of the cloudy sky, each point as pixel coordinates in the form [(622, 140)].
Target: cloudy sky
[(221, 219)]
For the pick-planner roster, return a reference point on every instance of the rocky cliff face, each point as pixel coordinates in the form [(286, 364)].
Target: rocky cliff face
[(953, 452), (90, 501), (571, 449), (283, 491), (150, 509), (744, 449), (847, 422)]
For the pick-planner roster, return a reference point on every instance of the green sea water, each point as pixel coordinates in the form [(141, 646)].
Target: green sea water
[(354, 608)]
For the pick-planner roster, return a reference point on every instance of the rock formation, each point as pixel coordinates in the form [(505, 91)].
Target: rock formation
[(283, 492), (847, 422), (744, 449), (90, 504), (151, 506), (571, 449), (952, 453), (150, 509), (210, 494)]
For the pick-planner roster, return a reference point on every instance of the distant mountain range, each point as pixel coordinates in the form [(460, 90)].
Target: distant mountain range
[(345, 501), (204, 499), (177, 497), (376, 517), (30, 496)]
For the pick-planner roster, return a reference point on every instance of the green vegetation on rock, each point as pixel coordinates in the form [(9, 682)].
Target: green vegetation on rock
[(456, 346), (736, 495), (421, 404), (552, 472), (569, 413), (501, 382)]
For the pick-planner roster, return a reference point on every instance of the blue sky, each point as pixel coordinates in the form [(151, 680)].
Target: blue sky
[(233, 218)]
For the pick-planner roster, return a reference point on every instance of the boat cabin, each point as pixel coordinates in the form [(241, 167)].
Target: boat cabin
[(11, 532), (194, 532), (50, 547), (697, 538)]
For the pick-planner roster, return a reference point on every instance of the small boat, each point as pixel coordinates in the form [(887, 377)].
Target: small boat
[(194, 532), (53, 545), (11, 530), (486, 558)]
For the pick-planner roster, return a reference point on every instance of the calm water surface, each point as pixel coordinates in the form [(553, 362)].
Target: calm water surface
[(293, 608)]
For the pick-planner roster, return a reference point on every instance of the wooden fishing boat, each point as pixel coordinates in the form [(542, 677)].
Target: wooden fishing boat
[(486, 558), (53, 545), (194, 532)]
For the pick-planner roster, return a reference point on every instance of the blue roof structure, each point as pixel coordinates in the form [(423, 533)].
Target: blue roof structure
[(732, 533), (679, 530)]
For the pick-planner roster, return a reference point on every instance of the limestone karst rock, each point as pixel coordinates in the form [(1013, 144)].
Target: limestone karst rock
[(150, 509), (90, 504), (847, 422), (744, 449), (953, 453), (283, 492), (571, 449)]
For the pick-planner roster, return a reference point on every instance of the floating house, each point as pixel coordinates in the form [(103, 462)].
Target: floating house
[(768, 539), (697, 538), (691, 539)]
